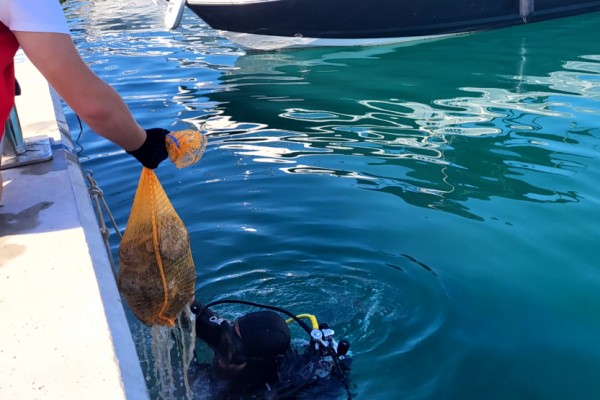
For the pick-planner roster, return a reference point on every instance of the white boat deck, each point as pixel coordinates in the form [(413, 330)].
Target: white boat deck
[(63, 329)]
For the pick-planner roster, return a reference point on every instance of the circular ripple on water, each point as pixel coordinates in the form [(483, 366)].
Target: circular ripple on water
[(384, 304)]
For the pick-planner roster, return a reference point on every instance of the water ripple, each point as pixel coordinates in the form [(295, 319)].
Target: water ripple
[(399, 193), (368, 311)]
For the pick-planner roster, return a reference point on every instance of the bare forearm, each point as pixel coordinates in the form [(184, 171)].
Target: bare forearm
[(105, 112), (96, 102)]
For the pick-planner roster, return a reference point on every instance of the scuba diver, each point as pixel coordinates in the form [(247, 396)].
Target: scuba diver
[(254, 358)]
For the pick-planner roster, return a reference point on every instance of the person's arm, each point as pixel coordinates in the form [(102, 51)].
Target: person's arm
[(96, 102), (208, 325)]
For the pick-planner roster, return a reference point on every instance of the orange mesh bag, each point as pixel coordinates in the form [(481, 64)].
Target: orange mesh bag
[(157, 275)]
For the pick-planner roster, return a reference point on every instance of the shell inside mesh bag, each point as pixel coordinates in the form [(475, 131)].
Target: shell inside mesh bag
[(157, 275), (156, 271), (185, 147)]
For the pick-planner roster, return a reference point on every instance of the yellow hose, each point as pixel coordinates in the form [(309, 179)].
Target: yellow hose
[(313, 320)]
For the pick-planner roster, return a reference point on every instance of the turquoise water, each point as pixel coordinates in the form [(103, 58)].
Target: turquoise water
[(436, 204)]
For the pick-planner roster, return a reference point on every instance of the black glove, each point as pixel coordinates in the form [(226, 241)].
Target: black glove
[(154, 149)]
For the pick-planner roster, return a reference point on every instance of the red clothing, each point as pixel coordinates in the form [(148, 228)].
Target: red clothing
[(8, 47)]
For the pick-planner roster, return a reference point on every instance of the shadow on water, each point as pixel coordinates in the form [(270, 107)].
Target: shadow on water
[(436, 124)]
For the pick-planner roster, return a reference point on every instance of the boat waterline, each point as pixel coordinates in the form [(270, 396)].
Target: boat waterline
[(248, 41), (308, 23)]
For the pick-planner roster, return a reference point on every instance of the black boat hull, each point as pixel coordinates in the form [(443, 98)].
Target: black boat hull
[(377, 19)]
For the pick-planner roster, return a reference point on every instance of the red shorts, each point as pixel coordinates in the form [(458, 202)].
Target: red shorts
[(8, 47)]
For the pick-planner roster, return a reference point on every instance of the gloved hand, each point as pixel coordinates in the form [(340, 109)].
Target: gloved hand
[(154, 149)]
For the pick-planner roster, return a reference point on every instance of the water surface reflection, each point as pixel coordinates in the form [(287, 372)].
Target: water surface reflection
[(421, 123), (323, 178)]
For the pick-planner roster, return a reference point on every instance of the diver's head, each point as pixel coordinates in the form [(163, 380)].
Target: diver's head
[(261, 335), (264, 334)]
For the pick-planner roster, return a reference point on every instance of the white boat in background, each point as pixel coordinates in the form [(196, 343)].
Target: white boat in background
[(277, 24), (174, 13)]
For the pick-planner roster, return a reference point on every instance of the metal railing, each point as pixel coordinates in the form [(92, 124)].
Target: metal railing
[(13, 136), (16, 151)]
